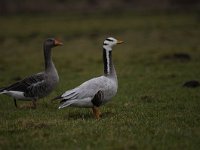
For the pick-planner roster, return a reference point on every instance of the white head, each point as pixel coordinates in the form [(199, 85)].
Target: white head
[(110, 42)]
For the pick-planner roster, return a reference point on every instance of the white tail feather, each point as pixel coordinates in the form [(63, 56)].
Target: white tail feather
[(68, 103), (69, 94), (85, 102), (3, 92), (15, 94)]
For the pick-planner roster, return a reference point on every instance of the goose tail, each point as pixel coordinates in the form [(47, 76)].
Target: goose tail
[(2, 90), (66, 104), (71, 94)]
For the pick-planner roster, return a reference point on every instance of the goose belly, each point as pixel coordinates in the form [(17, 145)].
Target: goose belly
[(109, 91), (44, 92)]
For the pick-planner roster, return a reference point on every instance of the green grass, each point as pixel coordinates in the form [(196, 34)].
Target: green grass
[(151, 109)]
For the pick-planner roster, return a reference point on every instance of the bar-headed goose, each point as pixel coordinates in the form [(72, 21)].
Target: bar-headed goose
[(38, 85), (97, 91)]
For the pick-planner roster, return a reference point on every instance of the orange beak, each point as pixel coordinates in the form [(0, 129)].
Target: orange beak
[(120, 42), (58, 43)]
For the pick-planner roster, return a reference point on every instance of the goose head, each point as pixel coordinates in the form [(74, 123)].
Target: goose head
[(110, 42), (52, 42)]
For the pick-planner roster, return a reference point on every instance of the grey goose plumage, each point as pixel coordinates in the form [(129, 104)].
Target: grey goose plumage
[(38, 85), (97, 91)]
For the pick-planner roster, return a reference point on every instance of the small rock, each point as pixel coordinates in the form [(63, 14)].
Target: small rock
[(178, 56), (191, 84)]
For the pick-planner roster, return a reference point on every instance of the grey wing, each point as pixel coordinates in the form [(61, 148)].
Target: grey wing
[(86, 90), (71, 94), (97, 101), (36, 90), (25, 84)]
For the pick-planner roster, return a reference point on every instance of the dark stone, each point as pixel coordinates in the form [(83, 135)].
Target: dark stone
[(147, 98), (177, 56), (191, 84)]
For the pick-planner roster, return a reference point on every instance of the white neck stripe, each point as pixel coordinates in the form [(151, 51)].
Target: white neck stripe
[(108, 61)]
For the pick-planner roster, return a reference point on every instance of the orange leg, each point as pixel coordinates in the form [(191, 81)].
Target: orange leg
[(34, 104), (96, 112)]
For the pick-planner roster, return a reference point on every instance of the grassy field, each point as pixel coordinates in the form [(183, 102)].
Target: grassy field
[(151, 109)]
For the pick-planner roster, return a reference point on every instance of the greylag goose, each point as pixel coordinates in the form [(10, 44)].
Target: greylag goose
[(97, 91), (38, 85)]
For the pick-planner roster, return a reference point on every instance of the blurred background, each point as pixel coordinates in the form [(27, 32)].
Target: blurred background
[(67, 6)]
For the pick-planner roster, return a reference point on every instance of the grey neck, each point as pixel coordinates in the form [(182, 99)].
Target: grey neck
[(47, 58), (109, 69)]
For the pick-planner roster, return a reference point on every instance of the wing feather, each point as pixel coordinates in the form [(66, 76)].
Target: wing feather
[(87, 89), (26, 83)]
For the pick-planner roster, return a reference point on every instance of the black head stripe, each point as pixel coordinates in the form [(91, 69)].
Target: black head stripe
[(105, 44), (109, 40)]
